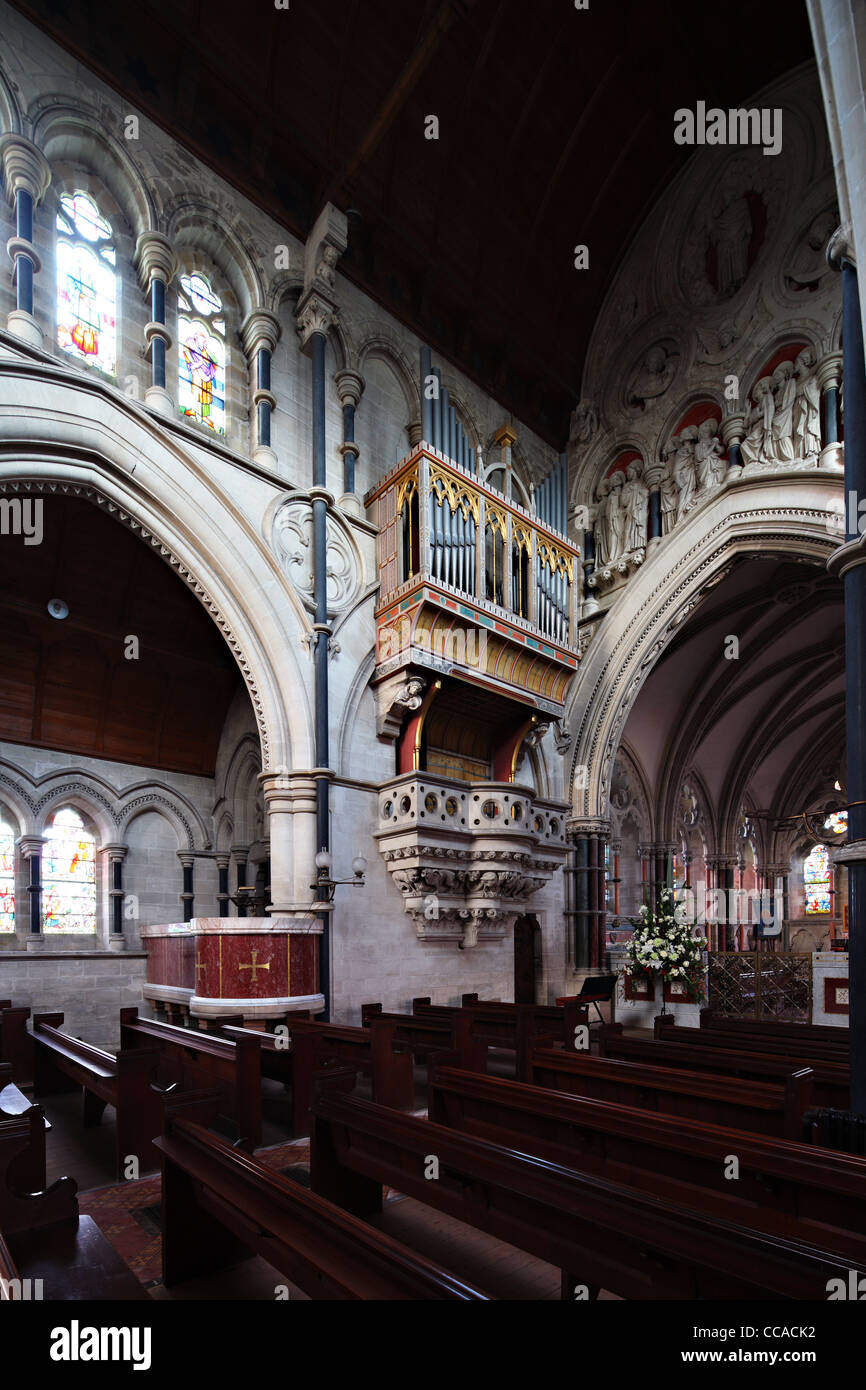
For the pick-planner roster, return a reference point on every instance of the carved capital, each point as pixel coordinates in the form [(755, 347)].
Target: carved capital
[(154, 259), (24, 167), (733, 428), (316, 314), (350, 386), (829, 371), (260, 329), (840, 248)]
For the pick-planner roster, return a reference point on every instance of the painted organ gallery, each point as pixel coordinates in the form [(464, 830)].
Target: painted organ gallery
[(429, 652)]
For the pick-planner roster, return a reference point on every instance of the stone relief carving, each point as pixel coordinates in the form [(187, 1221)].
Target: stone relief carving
[(584, 423), (293, 544), (807, 267), (652, 375)]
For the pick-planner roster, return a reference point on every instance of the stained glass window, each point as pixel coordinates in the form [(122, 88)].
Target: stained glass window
[(7, 878), (86, 283), (816, 879), (69, 875), (837, 821), (201, 334)]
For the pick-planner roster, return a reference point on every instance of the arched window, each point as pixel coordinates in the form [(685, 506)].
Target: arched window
[(86, 283), (201, 336), (816, 879), (7, 877), (69, 875)]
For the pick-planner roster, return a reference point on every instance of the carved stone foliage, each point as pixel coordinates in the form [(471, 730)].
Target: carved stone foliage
[(293, 544), (467, 857)]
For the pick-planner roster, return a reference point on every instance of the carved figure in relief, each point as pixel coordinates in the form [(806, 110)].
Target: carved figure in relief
[(807, 407), (709, 467), (785, 391), (809, 263), (684, 469), (668, 490), (601, 524), (634, 502), (584, 423), (653, 376), (759, 424), (730, 234), (616, 517)]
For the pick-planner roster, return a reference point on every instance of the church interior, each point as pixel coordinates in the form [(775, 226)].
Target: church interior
[(433, 634)]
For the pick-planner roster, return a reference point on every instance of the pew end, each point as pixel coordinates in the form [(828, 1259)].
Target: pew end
[(369, 1011)]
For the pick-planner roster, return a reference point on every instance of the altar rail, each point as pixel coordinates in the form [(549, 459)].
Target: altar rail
[(439, 523), (752, 984)]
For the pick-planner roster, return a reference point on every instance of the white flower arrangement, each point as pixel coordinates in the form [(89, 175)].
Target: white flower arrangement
[(664, 943)]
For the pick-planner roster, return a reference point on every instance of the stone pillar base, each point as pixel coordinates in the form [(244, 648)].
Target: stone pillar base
[(158, 400), (37, 943), (25, 327), (350, 503), (832, 458), (117, 942), (265, 457)]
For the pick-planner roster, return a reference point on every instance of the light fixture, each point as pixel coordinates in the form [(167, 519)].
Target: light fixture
[(323, 875), (58, 608)]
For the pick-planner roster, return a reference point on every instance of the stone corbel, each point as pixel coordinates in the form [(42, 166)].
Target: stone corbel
[(324, 247), (395, 698)]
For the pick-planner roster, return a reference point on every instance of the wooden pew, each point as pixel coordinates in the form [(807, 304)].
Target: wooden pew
[(64, 1063), (783, 1188), (374, 1050), (812, 1053), (219, 1205), (27, 1173), (20, 1207), (478, 1027), (600, 1233), (773, 1108), (16, 1044), (195, 1061), (830, 1083), (781, 1029)]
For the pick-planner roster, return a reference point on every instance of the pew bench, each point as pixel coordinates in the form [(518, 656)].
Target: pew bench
[(195, 1061), (811, 1052), (830, 1080), (374, 1050), (16, 1044), (220, 1204), (599, 1233), (766, 1107), (27, 1173), (64, 1063), (784, 1188), (776, 1028)]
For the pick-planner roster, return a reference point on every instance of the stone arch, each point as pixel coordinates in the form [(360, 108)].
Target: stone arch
[(758, 514), (148, 482), (83, 793), (386, 349), (77, 133), (11, 120), (191, 829), (198, 224)]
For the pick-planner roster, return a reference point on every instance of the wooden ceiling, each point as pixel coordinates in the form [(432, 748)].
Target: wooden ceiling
[(556, 129), (68, 684)]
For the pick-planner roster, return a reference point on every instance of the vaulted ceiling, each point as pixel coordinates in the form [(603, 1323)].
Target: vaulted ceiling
[(760, 718), (555, 129), (68, 684)]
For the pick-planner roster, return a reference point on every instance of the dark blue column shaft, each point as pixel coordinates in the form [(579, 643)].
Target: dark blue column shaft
[(655, 513), (348, 454), (581, 902), (263, 380), (830, 402), (241, 883), (188, 899), (23, 264), (854, 372), (117, 899), (223, 889), (735, 457), (320, 598), (35, 891), (157, 311)]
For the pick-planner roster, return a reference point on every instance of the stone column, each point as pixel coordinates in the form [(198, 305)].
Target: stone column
[(350, 387), (850, 562), (222, 862), (239, 854), (187, 895), (589, 839), (156, 265), (505, 437), (615, 850), (27, 175), (30, 847), (113, 857), (260, 334), (733, 430), (653, 473), (829, 376)]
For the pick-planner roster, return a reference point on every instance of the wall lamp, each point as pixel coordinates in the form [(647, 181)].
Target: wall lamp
[(323, 874)]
